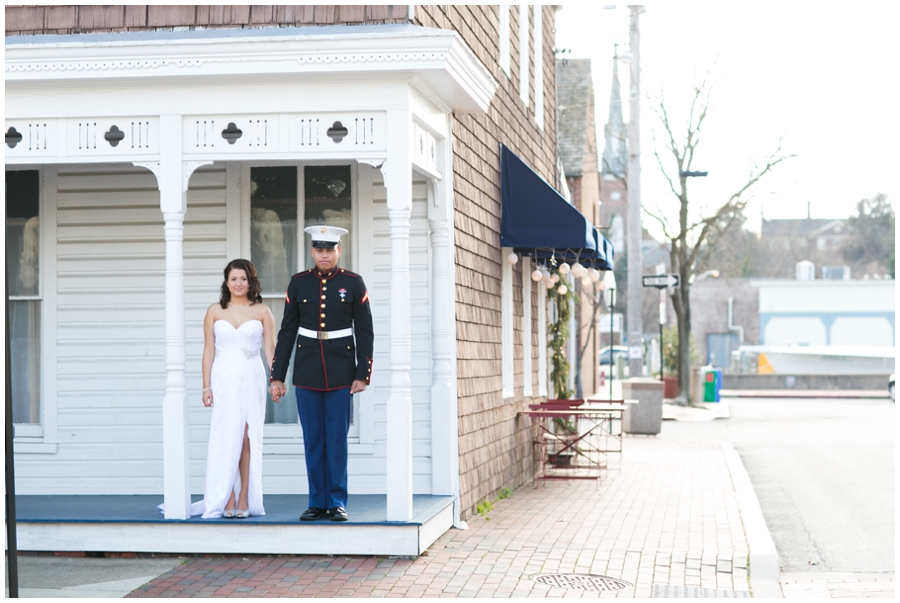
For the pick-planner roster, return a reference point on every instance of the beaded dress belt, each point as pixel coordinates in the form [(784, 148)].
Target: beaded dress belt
[(325, 334)]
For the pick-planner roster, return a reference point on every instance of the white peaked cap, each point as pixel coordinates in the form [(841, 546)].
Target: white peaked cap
[(327, 234)]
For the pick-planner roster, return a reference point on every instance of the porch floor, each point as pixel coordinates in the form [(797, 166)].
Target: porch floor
[(132, 523)]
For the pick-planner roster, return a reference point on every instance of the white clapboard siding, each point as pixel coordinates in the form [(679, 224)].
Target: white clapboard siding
[(110, 325), (420, 312)]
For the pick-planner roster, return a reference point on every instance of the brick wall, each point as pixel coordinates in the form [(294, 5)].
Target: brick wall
[(73, 19), (495, 445)]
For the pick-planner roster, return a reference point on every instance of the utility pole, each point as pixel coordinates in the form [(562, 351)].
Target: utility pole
[(635, 230)]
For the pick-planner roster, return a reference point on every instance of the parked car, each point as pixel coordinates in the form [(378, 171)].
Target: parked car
[(617, 351), (891, 386)]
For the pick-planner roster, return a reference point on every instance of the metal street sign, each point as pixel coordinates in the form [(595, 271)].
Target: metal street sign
[(662, 281)]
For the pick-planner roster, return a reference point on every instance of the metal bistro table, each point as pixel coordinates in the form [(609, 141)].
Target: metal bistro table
[(574, 437)]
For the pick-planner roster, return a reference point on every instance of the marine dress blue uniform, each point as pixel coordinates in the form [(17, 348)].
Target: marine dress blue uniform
[(323, 314)]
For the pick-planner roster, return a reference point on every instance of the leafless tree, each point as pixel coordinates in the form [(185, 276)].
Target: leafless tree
[(688, 235)]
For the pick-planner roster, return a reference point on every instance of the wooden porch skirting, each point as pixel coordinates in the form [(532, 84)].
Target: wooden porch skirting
[(131, 523)]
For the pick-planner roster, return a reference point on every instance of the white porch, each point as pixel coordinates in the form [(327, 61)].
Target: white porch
[(198, 110), (132, 524)]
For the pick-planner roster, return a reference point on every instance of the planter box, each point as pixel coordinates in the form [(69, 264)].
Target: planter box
[(670, 389)]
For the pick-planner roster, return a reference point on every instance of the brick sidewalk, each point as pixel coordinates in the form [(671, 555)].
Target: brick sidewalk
[(667, 515)]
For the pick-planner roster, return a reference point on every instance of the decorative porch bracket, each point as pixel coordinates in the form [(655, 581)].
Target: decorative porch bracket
[(172, 177)]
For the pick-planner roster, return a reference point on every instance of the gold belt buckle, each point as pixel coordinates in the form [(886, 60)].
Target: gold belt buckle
[(323, 334)]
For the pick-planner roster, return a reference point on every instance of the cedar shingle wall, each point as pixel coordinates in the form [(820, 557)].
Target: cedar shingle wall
[(35, 20), (495, 445)]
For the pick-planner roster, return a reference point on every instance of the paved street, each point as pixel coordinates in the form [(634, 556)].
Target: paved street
[(823, 470), (668, 517)]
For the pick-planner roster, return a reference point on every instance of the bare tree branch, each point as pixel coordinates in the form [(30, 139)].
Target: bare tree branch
[(692, 237), (662, 222)]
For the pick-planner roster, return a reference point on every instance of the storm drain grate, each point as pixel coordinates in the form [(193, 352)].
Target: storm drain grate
[(695, 592), (582, 582)]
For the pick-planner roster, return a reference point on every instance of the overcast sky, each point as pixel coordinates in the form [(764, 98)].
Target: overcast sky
[(823, 75)]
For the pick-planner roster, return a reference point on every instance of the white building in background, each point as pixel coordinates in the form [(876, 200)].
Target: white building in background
[(826, 313)]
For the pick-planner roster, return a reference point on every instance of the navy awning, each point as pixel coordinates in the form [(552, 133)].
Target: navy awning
[(537, 221)]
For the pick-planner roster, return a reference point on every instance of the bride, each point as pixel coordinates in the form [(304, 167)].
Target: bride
[(234, 386)]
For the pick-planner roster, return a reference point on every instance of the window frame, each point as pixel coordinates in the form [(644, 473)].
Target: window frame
[(41, 438), (507, 321), (537, 35), (524, 55), (527, 346), (505, 37), (542, 339)]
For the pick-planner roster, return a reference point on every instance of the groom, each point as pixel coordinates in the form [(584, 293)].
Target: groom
[(325, 309)]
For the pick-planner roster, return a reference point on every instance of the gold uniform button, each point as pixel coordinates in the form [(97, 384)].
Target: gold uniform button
[(323, 305), (322, 325), (322, 315), (324, 281), (323, 297), (324, 288)]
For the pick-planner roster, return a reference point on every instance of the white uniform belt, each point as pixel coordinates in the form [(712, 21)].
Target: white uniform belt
[(325, 334)]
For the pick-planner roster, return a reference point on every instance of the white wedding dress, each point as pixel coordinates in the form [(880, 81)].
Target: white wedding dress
[(238, 382)]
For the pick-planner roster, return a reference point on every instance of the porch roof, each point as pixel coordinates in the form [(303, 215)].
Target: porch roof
[(436, 60)]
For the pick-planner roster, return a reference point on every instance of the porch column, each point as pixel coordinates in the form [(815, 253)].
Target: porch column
[(172, 175), (398, 181), (443, 422)]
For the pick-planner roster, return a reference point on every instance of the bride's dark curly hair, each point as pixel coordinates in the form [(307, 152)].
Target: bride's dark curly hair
[(255, 292)]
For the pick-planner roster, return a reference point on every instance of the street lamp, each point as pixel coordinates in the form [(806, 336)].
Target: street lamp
[(608, 284)]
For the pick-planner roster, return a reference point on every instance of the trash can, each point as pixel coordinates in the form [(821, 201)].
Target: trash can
[(712, 384), (696, 385), (645, 417)]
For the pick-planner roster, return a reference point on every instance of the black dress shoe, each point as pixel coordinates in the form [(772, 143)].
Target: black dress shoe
[(314, 513), (337, 514)]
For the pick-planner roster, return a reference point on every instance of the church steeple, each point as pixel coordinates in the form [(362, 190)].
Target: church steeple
[(615, 149)]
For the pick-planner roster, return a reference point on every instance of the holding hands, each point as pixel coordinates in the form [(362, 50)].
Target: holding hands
[(278, 390)]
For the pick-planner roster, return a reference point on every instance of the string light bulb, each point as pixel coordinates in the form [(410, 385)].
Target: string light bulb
[(577, 270), (563, 289), (548, 283), (512, 258), (563, 269), (594, 274), (537, 275), (554, 278)]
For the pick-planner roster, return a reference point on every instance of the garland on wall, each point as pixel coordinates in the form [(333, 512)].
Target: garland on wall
[(558, 333)]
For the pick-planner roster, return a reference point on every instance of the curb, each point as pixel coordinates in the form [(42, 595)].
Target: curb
[(873, 394), (764, 567)]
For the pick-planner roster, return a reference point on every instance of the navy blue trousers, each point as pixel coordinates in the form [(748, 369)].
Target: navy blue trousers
[(325, 419)]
